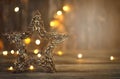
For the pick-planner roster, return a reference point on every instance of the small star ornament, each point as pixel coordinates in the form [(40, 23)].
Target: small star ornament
[(43, 61)]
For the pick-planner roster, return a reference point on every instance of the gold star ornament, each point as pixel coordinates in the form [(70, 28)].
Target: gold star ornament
[(43, 61)]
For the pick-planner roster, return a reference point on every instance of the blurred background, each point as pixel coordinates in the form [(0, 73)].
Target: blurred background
[(93, 27)]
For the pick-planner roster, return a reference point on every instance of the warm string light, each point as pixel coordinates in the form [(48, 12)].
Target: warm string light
[(60, 53), (11, 68), (79, 55), (39, 55), (36, 51), (16, 9), (37, 42), (12, 51), (27, 40), (59, 12), (66, 8), (54, 23), (5, 53), (57, 22), (31, 67), (17, 52), (112, 58)]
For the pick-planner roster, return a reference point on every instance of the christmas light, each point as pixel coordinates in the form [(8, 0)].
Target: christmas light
[(27, 40), (66, 8), (5, 53), (60, 53), (59, 12), (10, 68), (39, 55), (12, 51), (54, 23), (17, 52), (112, 58), (16, 9), (31, 67), (37, 42), (80, 55), (36, 51)]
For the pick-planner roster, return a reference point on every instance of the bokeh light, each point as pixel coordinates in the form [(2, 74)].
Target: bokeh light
[(31, 67), (60, 53), (17, 52), (112, 58), (66, 8), (37, 42), (54, 23), (39, 55), (16, 9), (59, 12), (10, 68), (5, 53), (12, 51), (27, 40), (80, 55), (36, 51)]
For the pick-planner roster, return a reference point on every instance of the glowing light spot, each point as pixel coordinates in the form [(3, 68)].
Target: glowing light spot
[(39, 55), (112, 58), (17, 52), (5, 53), (60, 53), (10, 68), (27, 40), (16, 9), (31, 67), (36, 51), (80, 55), (54, 23), (37, 42), (66, 8), (59, 12), (12, 51)]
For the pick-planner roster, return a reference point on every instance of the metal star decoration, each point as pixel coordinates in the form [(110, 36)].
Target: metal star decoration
[(45, 61)]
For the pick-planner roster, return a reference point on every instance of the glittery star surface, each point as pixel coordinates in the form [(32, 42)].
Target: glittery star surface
[(44, 62)]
